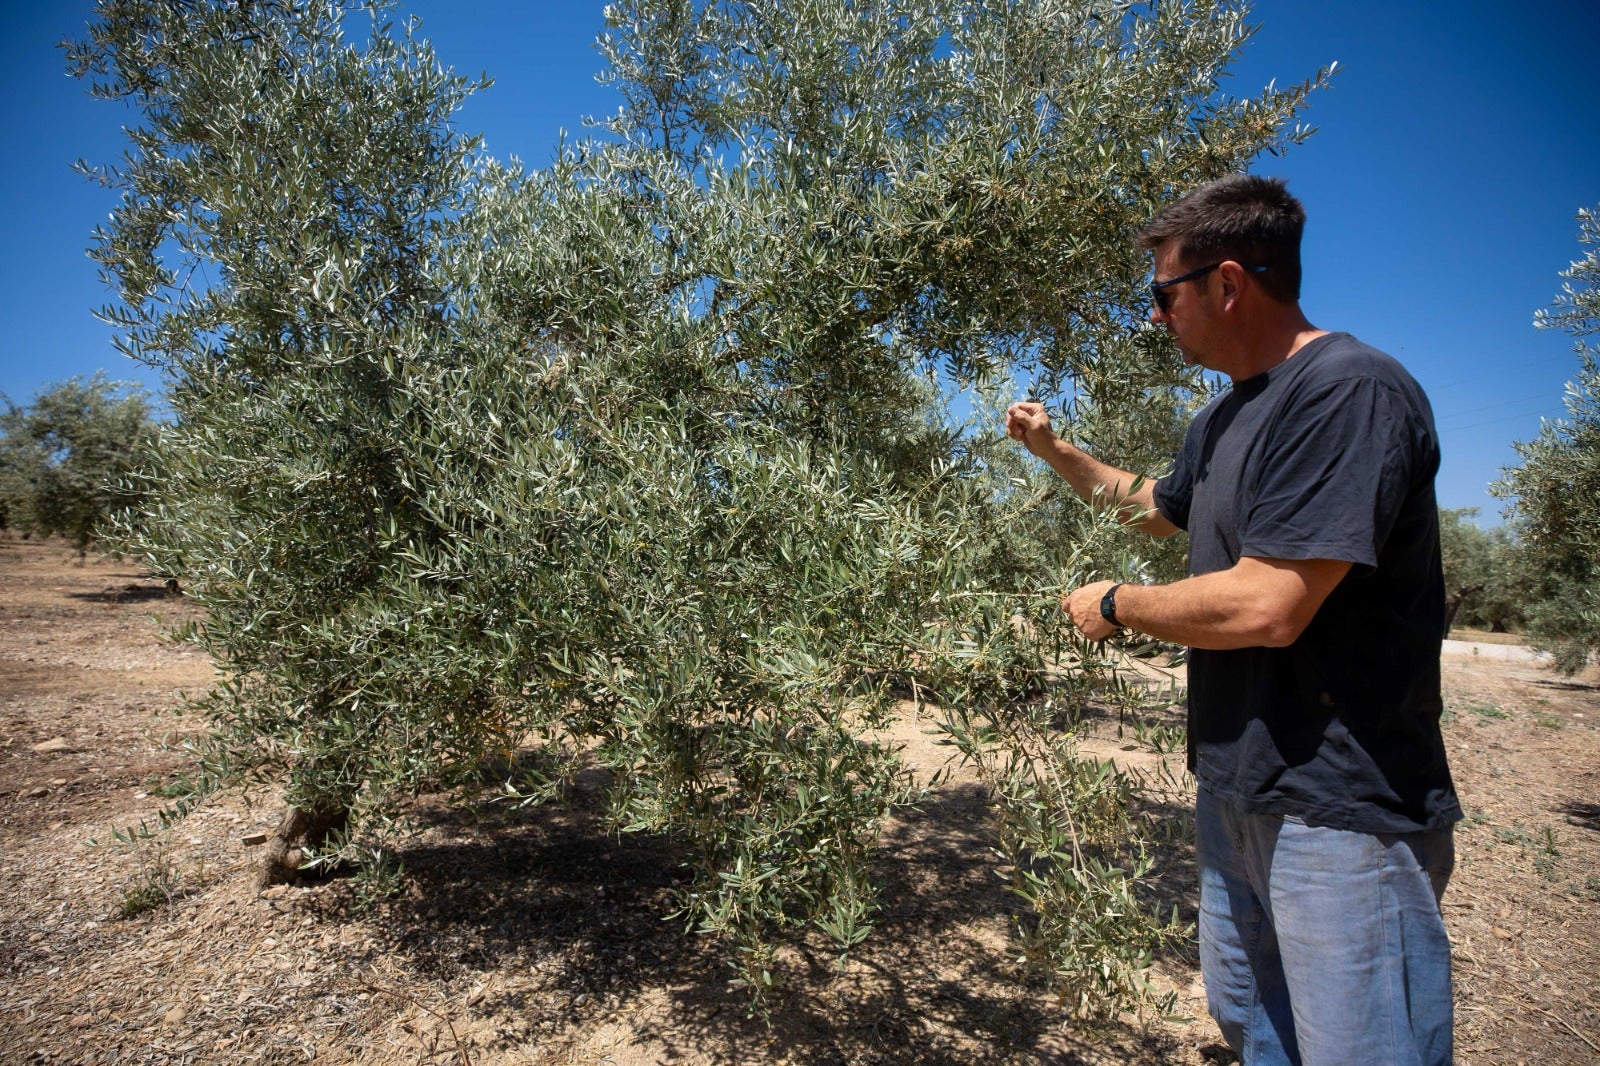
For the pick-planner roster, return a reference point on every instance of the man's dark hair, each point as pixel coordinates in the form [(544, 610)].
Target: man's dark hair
[(1251, 220)]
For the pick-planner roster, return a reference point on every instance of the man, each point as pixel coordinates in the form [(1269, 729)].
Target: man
[(1314, 610)]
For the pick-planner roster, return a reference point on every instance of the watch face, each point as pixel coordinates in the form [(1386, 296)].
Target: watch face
[(1108, 605)]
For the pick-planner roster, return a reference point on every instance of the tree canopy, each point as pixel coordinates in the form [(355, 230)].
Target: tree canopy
[(642, 458)]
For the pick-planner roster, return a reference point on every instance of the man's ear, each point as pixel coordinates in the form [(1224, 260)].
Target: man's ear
[(1232, 275)]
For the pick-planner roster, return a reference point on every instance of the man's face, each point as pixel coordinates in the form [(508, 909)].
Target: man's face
[(1187, 315)]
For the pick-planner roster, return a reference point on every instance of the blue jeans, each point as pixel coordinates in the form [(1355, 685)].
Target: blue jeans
[(1321, 946)]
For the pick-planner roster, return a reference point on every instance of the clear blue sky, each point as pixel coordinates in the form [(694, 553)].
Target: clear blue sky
[(1453, 152)]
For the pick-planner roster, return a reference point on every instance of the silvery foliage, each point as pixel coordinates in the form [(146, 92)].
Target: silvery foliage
[(640, 458), (1553, 492)]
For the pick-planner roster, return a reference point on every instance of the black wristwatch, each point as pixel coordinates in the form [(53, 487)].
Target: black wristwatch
[(1108, 605)]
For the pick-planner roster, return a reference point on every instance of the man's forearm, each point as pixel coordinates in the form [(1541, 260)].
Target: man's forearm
[(1255, 603), (1208, 611), (1103, 483)]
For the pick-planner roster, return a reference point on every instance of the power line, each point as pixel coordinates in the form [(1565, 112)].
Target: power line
[(1539, 361), (1497, 405), (1489, 422)]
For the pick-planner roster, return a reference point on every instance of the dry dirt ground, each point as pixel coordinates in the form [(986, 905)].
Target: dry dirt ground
[(541, 939)]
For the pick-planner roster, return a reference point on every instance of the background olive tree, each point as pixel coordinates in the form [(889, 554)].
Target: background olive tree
[(1485, 575), (644, 458), (69, 460), (1554, 492)]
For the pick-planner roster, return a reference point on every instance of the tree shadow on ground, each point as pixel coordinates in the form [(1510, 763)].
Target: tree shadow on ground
[(575, 922), (1564, 684), (1582, 813), (129, 593)]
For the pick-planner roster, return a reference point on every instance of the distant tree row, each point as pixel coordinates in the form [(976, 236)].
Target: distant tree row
[(70, 460)]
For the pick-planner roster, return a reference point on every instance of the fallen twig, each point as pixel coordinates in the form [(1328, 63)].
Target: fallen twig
[(461, 1050), (1569, 1026)]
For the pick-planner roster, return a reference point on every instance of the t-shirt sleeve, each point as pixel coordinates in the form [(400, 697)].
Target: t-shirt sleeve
[(1175, 492), (1337, 475)]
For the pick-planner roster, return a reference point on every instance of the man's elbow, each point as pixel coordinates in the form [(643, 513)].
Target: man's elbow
[(1280, 599), (1160, 528), (1279, 628), (1152, 522)]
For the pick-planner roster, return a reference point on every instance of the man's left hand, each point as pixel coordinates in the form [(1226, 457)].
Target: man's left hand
[(1083, 607)]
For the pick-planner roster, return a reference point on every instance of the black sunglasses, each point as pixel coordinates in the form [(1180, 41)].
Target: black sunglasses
[(1158, 289)]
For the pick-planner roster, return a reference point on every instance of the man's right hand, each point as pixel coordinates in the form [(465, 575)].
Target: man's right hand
[(1024, 418)]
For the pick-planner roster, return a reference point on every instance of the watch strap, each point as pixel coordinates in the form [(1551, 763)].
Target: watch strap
[(1108, 605)]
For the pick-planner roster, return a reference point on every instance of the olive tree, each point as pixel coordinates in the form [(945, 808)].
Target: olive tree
[(642, 459), (1485, 575), (1554, 492), (70, 460)]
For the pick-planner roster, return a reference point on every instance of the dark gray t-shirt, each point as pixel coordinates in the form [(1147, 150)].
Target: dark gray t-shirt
[(1329, 455)]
